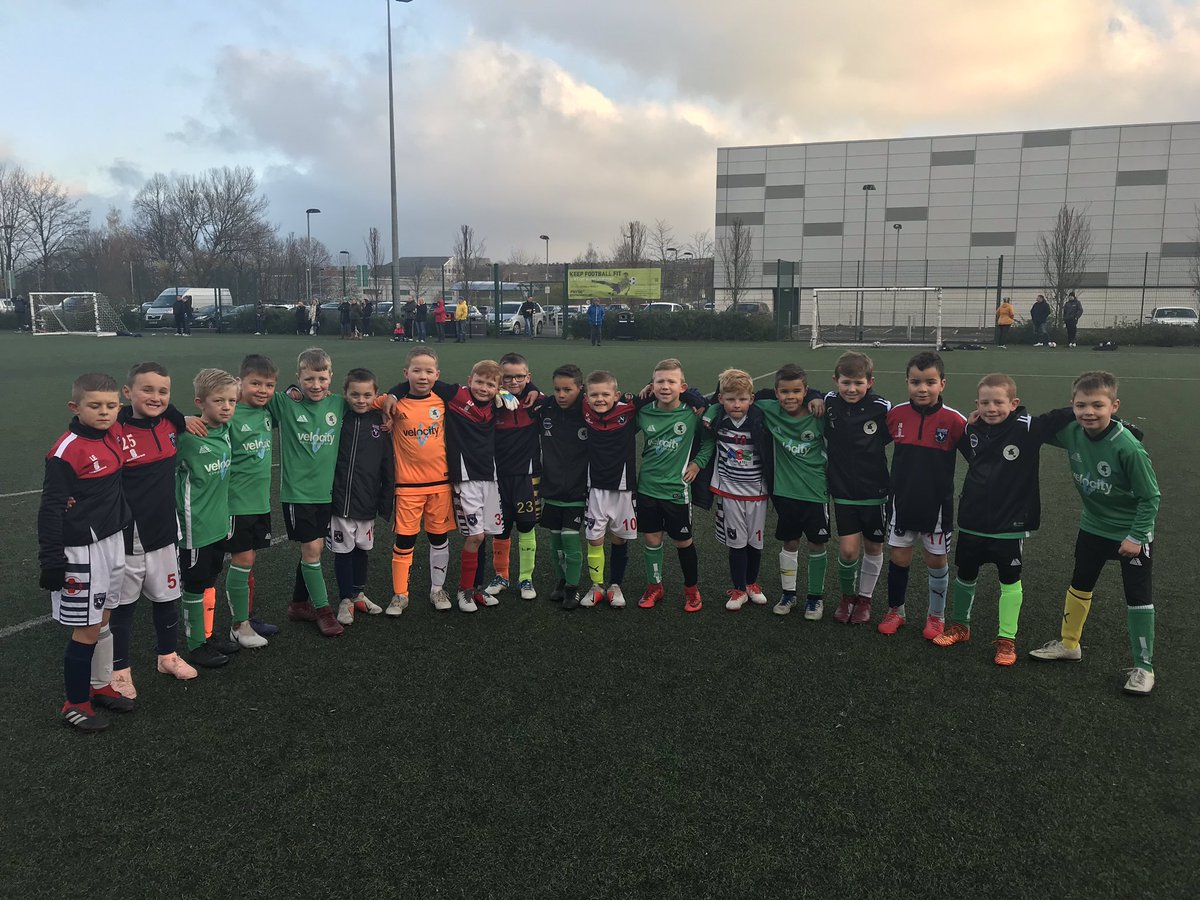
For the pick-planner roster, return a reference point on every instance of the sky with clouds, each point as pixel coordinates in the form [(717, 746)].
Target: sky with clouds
[(554, 117)]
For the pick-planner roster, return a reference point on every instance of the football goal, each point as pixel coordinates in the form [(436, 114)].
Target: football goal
[(875, 317), (77, 312)]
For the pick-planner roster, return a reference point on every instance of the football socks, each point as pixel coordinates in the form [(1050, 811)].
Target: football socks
[(1141, 636), (210, 610), (939, 581), (343, 572), (872, 565), (620, 559), (964, 599), (847, 576), (314, 580), (690, 563), (439, 561), (77, 663), (737, 568), (1075, 613), (468, 568), (193, 619), (572, 556), (817, 564), (556, 552), (1010, 609), (358, 566), (789, 563), (166, 627), (401, 564), (237, 592), (753, 562), (501, 550), (595, 563), (653, 557), (299, 590), (120, 622), (897, 584), (527, 548), (101, 667)]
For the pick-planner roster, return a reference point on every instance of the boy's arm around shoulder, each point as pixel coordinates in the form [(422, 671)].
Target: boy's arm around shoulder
[(1048, 424), (387, 478)]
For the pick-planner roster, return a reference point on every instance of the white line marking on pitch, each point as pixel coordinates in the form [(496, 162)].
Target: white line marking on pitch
[(20, 494)]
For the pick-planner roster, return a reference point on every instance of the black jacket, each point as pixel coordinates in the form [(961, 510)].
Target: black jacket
[(1000, 494), (364, 482), (1072, 310), (564, 448), (856, 438), (1039, 312)]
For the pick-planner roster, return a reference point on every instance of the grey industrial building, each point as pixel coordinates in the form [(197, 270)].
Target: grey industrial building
[(943, 210)]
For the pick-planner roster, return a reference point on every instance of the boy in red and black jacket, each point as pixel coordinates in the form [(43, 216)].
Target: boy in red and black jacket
[(926, 433), (81, 551)]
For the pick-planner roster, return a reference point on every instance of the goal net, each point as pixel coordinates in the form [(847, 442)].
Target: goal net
[(78, 312), (891, 316)]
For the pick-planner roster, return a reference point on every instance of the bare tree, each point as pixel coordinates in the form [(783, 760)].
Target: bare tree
[(1065, 254), (629, 249), (468, 256), (523, 259), (588, 257), (662, 239), (735, 252), (420, 281), (221, 214), (14, 217), (701, 244), (55, 222), (373, 249)]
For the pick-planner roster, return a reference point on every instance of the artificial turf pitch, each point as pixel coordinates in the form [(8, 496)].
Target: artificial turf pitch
[(528, 752)]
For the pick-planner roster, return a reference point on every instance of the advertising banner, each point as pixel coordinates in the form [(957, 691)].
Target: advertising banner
[(614, 284)]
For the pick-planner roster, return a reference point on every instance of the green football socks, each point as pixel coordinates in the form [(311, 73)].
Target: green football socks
[(817, 565), (556, 553), (847, 576), (193, 619), (595, 558), (314, 581), (572, 556), (527, 547), (237, 592), (1011, 596), (1141, 636), (653, 557)]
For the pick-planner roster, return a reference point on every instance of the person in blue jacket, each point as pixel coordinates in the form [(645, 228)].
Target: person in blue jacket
[(595, 314)]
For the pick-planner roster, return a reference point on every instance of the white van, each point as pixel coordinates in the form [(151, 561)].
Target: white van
[(206, 303)]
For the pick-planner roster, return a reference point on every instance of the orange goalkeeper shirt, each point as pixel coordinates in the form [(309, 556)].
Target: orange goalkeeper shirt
[(419, 441)]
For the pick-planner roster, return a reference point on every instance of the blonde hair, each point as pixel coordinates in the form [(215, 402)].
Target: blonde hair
[(735, 381), (208, 381), (315, 360), (602, 376), (486, 368), (999, 379), (1095, 383)]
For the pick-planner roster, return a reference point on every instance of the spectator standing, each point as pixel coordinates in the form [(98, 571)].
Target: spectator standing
[(345, 319), (410, 325), (188, 313), (21, 307), (528, 308), (368, 312), (1040, 313), (440, 317), (421, 319), (1005, 316), (595, 316), (1072, 313), (179, 311), (461, 313), (301, 315)]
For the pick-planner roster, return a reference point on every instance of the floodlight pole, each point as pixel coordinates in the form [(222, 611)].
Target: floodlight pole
[(867, 188), (308, 214), (392, 157), (896, 271)]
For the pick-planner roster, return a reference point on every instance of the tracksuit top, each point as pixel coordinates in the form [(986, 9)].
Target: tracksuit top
[(926, 437), (564, 451), (1000, 495), (517, 449), (148, 476), (83, 466), (612, 447), (364, 482), (856, 435)]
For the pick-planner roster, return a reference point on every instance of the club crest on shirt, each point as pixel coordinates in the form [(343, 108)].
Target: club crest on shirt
[(547, 424), (941, 434), (620, 420), (98, 600), (1011, 452), (375, 431), (330, 419), (582, 434), (974, 440), (434, 412), (680, 428), (1104, 468), (807, 435)]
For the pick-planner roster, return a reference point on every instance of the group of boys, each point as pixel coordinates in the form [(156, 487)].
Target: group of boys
[(497, 453)]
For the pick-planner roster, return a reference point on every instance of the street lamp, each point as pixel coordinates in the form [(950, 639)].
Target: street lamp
[(345, 255), (308, 214), (896, 270), (546, 238), (392, 148), (866, 188)]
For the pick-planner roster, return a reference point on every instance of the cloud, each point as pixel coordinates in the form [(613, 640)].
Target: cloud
[(126, 175)]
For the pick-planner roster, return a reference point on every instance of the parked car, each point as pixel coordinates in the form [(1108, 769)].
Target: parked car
[(615, 308), (659, 307), (160, 313), (1174, 315), (511, 320), (752, 308)]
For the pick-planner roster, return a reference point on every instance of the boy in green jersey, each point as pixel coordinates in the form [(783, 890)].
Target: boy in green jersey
[(1113, 475), (670, 463), (310, 429), (202, 503), (250, 482)]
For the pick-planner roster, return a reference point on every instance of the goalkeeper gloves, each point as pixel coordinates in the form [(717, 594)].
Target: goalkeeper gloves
[(507, 400), (53, 579)]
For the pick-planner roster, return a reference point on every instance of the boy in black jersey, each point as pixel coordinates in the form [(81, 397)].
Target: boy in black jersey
[(1000, 504), (856, 437), (81, 550), (518, 471), (563, 488)]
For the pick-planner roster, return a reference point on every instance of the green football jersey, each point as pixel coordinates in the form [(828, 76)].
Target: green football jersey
[(799, 453), (309, 434), (1116, 481), (667, 451), (202, 486), (250, 473)]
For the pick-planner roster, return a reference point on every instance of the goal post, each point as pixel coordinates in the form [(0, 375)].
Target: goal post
[(74, 312), (875, 317)]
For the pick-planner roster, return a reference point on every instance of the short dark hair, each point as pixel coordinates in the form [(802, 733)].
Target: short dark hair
[(514, 359), (257, 364), (926, 359), (853, 364), (790, 372), (570, 370), (147, 368), (360, 374), (1095, 383), (90, 382)]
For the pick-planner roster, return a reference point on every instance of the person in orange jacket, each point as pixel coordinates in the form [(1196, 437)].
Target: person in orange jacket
[(1005, 316)]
